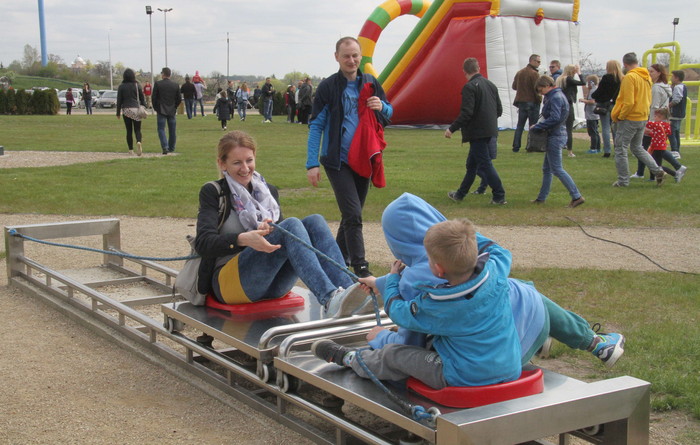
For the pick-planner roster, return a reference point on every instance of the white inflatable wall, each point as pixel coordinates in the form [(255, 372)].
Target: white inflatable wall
[(510, 40)]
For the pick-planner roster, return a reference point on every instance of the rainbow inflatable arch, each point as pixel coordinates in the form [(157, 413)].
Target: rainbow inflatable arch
[(424, 78)]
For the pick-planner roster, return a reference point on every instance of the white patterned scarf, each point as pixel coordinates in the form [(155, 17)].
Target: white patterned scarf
[(253, 208)]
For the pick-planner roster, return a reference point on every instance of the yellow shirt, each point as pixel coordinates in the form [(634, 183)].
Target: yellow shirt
[(634, 99)]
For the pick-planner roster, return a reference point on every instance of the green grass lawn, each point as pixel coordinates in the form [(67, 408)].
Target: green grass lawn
[(658, 312)]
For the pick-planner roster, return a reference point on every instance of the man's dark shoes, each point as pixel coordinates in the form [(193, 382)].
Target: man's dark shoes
[(576, 202), (362, 271), (454, 196)]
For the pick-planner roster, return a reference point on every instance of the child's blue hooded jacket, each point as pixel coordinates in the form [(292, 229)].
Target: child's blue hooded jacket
[(405, 221)]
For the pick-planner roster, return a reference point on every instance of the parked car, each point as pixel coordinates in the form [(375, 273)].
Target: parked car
[(108, 99), (77, 96)]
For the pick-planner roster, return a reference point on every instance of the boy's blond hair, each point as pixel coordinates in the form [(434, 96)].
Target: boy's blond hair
[(452, 244)]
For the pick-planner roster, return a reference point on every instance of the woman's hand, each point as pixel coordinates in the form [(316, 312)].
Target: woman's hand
[(266, 227), (255, 239), (448, 134), (397, 267)]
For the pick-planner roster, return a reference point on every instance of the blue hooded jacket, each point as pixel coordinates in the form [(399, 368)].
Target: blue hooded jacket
[(405, 221)]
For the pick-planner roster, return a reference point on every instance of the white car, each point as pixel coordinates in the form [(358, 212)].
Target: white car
[(77, 96)]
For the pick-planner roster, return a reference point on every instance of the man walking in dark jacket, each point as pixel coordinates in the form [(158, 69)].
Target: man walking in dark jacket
[(166, 99), (478, 120)]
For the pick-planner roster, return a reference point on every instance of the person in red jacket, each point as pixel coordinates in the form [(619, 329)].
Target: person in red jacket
[(147, 89)]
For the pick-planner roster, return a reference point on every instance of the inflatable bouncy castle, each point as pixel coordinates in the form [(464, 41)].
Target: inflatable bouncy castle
[(424, 78)]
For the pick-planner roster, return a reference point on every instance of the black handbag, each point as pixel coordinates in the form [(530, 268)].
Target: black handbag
[(601, 109), (537, 141)]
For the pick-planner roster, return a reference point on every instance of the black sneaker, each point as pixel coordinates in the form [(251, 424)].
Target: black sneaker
[(329, 351), (362, 271)]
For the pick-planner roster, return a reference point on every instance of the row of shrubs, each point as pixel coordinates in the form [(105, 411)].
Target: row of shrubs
[(25, 102)]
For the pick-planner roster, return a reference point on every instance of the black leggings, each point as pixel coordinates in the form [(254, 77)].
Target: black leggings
[(223, 123), (136, 125)]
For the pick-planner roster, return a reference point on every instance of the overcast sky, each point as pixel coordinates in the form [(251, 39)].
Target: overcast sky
[(280, 36)]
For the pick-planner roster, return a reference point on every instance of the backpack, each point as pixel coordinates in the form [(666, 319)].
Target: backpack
[(187, 279)]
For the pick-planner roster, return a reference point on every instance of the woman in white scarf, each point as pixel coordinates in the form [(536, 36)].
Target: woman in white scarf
[(244, 259)]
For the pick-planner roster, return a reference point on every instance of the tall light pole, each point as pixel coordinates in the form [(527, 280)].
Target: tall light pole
[(109, 49), (227, 53), (165, 22), (149, 11), (675, 22)]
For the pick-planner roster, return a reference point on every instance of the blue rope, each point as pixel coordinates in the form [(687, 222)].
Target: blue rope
[(14, 232), (325, 257)]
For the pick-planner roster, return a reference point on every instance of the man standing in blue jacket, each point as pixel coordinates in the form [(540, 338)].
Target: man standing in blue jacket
[(335, 119)]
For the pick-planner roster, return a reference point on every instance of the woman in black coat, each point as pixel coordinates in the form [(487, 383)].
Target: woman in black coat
[(605, 97), (129, 97)]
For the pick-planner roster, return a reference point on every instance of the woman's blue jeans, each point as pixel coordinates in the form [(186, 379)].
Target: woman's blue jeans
[(242, 108), (605, 124), (271, 275), (551, 166)]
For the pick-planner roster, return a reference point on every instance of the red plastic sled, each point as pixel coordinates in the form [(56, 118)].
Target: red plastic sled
[(530, 382), (290, 301)]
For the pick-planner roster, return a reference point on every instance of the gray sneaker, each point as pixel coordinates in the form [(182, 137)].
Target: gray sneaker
[(680, 173), (344, 302)]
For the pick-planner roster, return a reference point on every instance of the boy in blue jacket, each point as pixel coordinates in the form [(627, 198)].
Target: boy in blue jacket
[(405, 221), (474, 342)]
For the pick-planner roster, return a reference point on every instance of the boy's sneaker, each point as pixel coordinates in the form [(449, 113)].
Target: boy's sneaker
[(609, 348), (344, 302), (636, 176), (676, 154), (478, 192), (618, 184), (660, 176), (329, 351), (500, 202), (680, 173), (454, 196), (546, 348)]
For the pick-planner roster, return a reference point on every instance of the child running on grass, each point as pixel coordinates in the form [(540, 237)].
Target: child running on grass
[(475, 341), (660, 129), (223, 109)]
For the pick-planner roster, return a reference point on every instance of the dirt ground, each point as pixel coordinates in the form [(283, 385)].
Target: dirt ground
[(62, 384)]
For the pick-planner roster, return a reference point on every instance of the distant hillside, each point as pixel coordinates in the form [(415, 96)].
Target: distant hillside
[(27, 82)]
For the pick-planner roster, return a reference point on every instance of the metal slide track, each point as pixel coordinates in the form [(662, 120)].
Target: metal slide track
[(266, 362)]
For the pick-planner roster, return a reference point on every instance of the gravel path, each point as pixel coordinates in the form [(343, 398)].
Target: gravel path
[(62, 384)]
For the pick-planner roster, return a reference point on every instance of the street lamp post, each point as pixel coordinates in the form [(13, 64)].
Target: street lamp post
[(109, 49), (165, 22), (675, 22), (149, 11)]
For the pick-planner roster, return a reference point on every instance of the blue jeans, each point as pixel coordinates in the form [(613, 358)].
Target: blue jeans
[(527, 111), (267, 109), (199, 101), (189, 108), (167, 144), (592, 128), (551, 166), (675, 138), (88, 106), (271, 275), (242, 109), (479, 161), (605, 124)]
